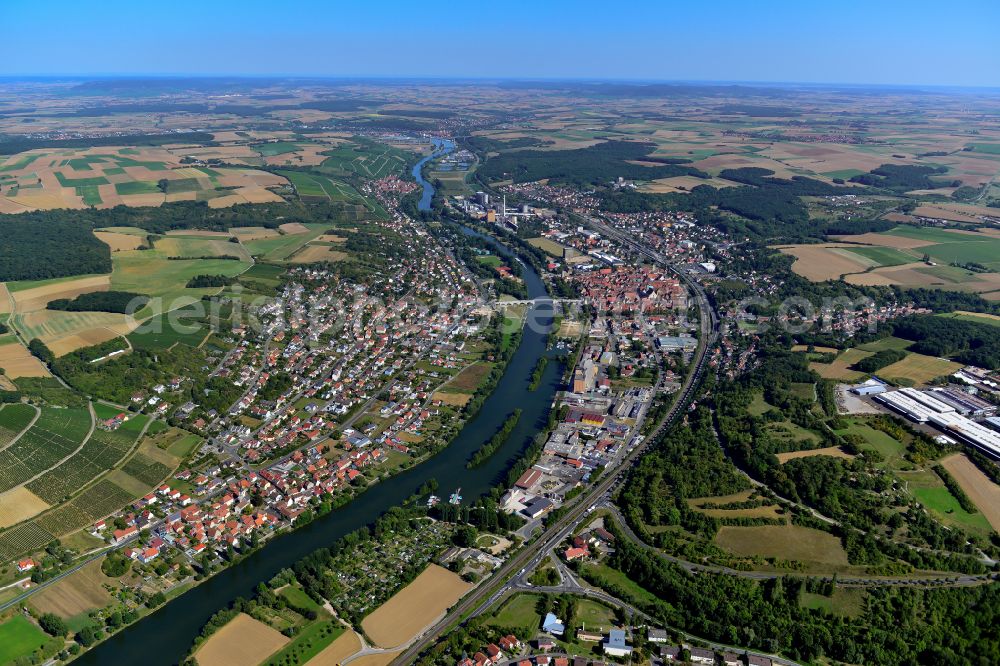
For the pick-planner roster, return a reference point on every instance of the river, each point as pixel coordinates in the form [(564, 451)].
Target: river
[(164, 637), (441, 147)]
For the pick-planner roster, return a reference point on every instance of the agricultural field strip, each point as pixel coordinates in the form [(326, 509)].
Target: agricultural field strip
[(11, 419), (42, 447)]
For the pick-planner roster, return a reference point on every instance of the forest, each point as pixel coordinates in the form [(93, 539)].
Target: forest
[(597, 164), (57, 247), (879, 360), (965, 341), (123, 302), (897, 626), (202, 281), (10, 145), (875, 522), (902, 177)]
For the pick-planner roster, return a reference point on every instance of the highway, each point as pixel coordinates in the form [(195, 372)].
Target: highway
[(524, 560)]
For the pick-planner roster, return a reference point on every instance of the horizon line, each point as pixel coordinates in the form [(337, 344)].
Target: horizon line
[(476, 78)]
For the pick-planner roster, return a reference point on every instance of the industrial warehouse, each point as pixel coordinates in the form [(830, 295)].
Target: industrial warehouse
[(946, 409)]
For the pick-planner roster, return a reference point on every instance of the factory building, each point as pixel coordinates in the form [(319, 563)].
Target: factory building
[(924, 407)]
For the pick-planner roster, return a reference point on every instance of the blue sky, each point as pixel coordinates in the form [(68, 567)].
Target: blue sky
[(888, 41)]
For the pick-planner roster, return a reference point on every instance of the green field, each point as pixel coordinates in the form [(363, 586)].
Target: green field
[(129, 162), (90, 194), (490, 260), (951, 247), (884, 256), (804, 390), (845, 601), (137, 187), (990, 320), (150, 272), (80, 182), (758, 405), (939, 501), (886, 343), (307, 643), (184, 325), (519, 611), (275, 148), (265, 273), (297, 597), (279, 248), (890, 449), (790, 433), (20, 164), (989, 148), (19, 637), (547, 245)]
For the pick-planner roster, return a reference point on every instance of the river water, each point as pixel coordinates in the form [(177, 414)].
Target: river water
[(165, 636), (441, 147)]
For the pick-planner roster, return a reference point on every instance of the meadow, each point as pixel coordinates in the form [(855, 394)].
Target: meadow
[(19, 637), (787, 542)]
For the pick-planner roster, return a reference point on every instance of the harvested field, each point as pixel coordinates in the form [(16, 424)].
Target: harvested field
[(36, 298), (330, 238), (294, 228), (469, 378), (315, 253), (378, 659), (17, 361), (832, 451), (683, 184), (242, 641), (64, 332), (203, 233), (886, 240), (87, 338), (415, 607), (5, 302), (981, 490), (819, 350), (253, 233), (19, 504), (119, 242), (547, 245), (787, 542), (453, 399), (824, 262), (77, 593), (919, 369), (945, 213), (839, 369), (334, 654)]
